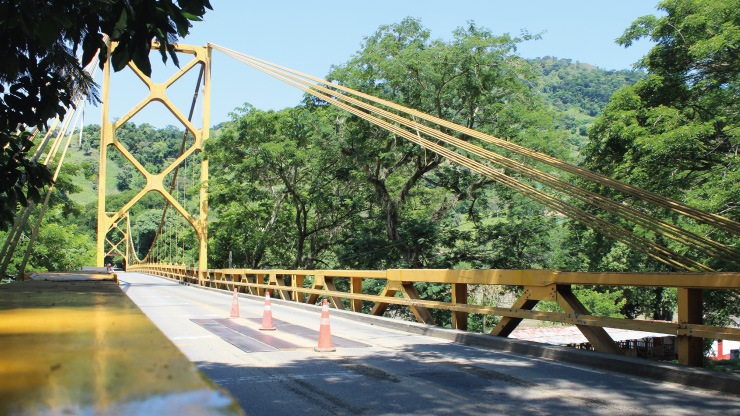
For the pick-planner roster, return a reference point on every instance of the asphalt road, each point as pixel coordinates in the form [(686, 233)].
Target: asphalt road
[(395, 374)]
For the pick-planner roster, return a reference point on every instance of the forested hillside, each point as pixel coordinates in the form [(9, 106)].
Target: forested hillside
[(578, 92)]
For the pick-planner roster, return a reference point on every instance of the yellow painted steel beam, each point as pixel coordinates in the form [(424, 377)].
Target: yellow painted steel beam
[(106, 135), (126, 238), (486, 277), (713, 280), (336, 301), (154, 182), (369, 274), (530, 278), (690, 311), (511, 316), (597, 336), (318, 285), (508, 324), (356, 288), (460, 295), (297, 284), (421, 313)]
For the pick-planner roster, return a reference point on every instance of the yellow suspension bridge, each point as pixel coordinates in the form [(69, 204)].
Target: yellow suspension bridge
[(166, 258)]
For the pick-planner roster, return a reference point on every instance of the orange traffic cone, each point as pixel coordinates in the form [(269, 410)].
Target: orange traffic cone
[(267, 315), (234, 306), (325, 330)]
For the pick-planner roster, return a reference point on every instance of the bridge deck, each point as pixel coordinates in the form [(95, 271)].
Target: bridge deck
[(396, 373), (245, 335), (83, 347)]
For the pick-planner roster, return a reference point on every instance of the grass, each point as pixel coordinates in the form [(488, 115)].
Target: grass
[(76, 156), (723, 365)]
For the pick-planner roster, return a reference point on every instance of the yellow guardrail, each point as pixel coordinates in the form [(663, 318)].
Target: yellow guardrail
[(539, 285)]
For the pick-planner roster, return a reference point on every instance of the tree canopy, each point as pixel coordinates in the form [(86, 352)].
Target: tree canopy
[(348, 194), (677, 131), (40, 76)]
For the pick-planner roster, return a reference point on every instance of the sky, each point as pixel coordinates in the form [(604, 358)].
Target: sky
[(311, 36)]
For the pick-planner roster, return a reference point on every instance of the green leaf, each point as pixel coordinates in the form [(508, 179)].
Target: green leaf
[(192, 17), (34, 195), (120, 26), (121, 57)]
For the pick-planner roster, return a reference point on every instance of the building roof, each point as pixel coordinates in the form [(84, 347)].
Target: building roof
[(568, 335)]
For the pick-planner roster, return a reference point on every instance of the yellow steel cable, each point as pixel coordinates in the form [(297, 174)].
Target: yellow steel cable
[(34, 234), (608, 229), (47, 136), (705, 245), (673, 205), (168, 238), (92, 70), (131, 241), (389, 127), (184, 202), (60, 134)]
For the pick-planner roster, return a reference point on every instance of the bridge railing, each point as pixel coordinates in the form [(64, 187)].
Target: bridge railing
[(538, 285)]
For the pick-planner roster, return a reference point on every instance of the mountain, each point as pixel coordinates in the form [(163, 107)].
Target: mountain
[(578, 92)]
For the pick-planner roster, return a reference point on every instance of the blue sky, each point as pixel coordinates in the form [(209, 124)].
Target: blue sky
[(312, 36)]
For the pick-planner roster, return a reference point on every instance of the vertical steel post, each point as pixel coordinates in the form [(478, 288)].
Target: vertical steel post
[(690, 311), (356, 287), (460, 295), (203, 219), (106, 137)]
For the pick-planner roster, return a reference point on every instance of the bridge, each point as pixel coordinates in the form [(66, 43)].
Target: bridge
[(444, 367)]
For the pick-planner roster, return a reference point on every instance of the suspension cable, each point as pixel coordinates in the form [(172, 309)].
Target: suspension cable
[(700, 243), (712, 219), (611, 230), (19, 224)]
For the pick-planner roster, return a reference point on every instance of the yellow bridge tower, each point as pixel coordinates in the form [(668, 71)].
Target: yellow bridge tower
[(155, 182)]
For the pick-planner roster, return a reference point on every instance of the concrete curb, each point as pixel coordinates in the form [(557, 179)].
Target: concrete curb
[(637, 367)]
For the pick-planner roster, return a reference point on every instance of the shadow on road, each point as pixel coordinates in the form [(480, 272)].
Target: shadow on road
[(443, 379)]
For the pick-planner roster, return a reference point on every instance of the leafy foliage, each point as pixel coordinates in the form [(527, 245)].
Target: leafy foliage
[(677, 131), (599, 301), (586, 88), (578, 92), (282, 191), (476, 80), (40, 77), (311, 186)]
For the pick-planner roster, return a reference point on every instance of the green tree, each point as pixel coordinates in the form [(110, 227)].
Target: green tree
[(475, 80), (40, 75), (281, 189), (677, 132), (79, 249), (579, 92)]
